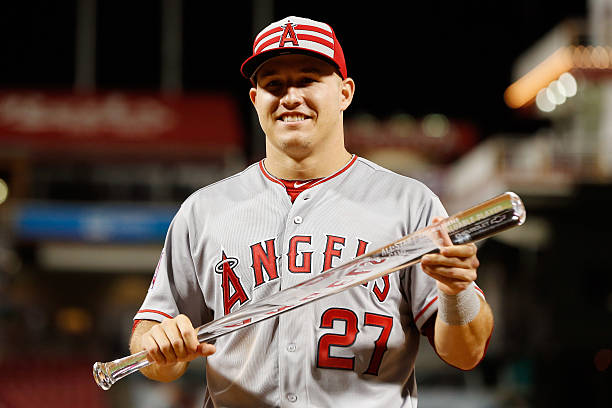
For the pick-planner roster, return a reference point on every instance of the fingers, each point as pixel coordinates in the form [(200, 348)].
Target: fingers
[(450, 267), (187, 334), (460, 256), (449, 285), (461, 251), (454, 267), (190, 338), (451, 280), (442, 233), (453, 274), (150, 342), (174, 340)]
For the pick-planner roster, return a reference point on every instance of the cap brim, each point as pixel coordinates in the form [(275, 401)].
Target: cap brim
[(253, 63)]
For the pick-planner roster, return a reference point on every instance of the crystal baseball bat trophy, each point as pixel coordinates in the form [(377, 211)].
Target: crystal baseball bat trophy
[(481, 221)]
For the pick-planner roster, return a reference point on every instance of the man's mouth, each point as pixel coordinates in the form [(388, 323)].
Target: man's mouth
[(294, 117)]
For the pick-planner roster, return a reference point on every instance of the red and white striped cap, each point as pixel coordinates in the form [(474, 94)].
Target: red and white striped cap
[(295, 35)]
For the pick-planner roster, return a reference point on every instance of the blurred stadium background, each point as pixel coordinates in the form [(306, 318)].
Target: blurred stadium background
[(113, 112)]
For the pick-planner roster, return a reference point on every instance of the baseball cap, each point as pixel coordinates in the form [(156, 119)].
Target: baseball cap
[(295, 35)]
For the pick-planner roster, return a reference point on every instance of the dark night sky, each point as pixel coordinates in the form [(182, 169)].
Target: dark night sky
[(451, 57)]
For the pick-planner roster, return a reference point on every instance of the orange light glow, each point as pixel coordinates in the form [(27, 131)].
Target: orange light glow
[(525, 88)]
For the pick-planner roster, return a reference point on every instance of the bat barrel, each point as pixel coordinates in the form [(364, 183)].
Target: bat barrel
[(486, 219)]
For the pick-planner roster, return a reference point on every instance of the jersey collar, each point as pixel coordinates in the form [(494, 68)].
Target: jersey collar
[(323, 180)]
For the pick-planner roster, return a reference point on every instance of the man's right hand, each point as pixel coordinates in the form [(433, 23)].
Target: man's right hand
[(170, 344), (174, 340)]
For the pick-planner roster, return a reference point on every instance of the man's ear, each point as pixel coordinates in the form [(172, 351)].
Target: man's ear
[(253, 95), (346, 93)]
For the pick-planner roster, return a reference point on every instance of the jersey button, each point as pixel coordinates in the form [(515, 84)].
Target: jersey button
[(292, 397), (297, 220), (291, 348)]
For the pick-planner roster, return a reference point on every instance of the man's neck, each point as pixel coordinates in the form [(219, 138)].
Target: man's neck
[(310, 167)]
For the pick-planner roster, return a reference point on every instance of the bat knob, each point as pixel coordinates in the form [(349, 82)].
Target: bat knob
[(102, 378)]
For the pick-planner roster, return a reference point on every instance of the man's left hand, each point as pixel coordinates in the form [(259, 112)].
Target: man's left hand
[(454, 267)]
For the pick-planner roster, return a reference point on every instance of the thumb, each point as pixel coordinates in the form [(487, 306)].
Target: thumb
[(206, 349)]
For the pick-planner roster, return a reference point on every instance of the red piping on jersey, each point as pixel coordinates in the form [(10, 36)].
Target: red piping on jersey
[(277, 181), (269, 176), (155, 311), (136, 323), (431, 302), (353, 160)]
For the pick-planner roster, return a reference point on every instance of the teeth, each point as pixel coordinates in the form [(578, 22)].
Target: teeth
[(293, 118)]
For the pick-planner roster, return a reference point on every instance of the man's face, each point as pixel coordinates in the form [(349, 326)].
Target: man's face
[(299, 100)]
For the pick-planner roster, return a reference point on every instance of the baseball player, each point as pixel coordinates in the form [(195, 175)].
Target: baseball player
[(308, 206)]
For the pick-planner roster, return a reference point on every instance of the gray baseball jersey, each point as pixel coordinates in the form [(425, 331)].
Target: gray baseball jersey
[(242, 239)]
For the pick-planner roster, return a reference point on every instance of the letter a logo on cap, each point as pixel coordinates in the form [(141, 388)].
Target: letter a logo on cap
[(288, 36), (295, 35)]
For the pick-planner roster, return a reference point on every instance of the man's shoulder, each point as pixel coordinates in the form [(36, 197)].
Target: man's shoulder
[(233, 185), (375, 173)]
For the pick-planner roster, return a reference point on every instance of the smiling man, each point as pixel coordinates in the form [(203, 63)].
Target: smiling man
[(308, 206), (300, 100)]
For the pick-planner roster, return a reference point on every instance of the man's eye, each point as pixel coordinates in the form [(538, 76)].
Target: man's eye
[(308, 80), (273, 85)]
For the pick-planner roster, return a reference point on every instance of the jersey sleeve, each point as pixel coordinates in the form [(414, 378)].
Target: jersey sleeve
[(419, 288), (174, 288)]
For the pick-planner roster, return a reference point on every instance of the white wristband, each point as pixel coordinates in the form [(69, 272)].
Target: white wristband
[(459, 309)]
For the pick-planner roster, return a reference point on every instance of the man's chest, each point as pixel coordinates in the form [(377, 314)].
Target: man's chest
[(249, 254)]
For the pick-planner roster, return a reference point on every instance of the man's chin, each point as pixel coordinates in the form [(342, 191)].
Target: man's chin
[(295, 140), (297, 147)]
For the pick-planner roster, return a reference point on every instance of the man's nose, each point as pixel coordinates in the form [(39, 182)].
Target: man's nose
[(292, 97)]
